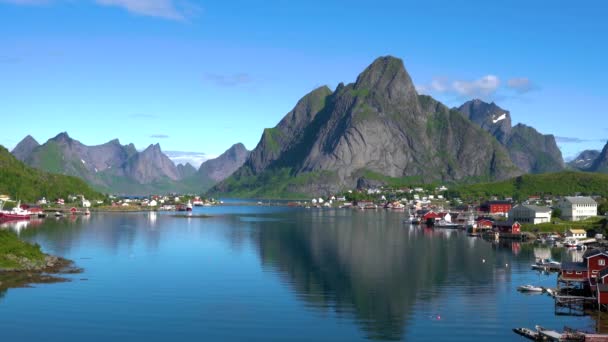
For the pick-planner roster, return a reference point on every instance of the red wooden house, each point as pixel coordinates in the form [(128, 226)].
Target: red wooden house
[(574, 271), (430, 217), (508, 227), (596, 261), (484, 224), (496, 207)]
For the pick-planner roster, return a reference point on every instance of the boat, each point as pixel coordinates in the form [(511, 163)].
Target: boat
[(547, 264), (530, 288), (189, 206), (527, 333), (15, 214), (410, 218), (446, 224), (58, 214)]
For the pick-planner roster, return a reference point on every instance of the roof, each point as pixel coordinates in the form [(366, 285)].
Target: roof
[(603, 273), (592, 252), (580, 200), (574, 266), (602, 287), (577, 231), (535, 208)]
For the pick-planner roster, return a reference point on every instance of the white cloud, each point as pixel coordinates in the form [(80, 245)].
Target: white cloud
[(159, 136), (194, 158), (483, 87), (520, 84), (166, 9)]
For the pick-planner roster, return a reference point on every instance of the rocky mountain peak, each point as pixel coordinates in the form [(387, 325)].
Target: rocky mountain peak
[(223, 166), (387, 77), (601, 162), (25, 147), (62, 137), (489, 116)]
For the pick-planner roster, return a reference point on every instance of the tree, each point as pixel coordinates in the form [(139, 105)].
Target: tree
[(557, 213)]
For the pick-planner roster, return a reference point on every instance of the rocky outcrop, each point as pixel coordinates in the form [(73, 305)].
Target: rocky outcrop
[(185, 170), (378, 125), (151, 165), (490, 117)]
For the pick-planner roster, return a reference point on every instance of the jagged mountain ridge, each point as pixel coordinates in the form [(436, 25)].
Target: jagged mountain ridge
[(376, 127), (584, 160), (108, 167), (530, 150)]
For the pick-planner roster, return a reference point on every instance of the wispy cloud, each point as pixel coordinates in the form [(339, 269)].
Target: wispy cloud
[(483, 87), (575, 140), (166, 9), (488, 87), (181, 10), (26, 2), (521, 85), (159, 136), (228, 80)]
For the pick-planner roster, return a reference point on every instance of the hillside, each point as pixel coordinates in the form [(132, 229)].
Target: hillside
[(558, 184), (378, 125), (28, 184)]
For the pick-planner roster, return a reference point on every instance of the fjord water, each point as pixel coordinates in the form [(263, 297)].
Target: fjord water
[(259, 273)]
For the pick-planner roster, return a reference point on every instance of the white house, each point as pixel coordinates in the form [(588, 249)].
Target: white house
[(577, 208), (526, 213), (153, 203), (576, 234)]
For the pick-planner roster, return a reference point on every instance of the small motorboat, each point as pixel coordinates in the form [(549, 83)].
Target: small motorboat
[(58, 214), (528, 333), (530, 288)]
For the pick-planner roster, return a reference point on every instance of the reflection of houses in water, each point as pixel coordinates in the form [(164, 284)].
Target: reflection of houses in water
[(152, 217)]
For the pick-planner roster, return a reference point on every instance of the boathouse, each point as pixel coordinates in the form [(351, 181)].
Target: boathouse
[(602, 295), (596, 261), (573, 271)]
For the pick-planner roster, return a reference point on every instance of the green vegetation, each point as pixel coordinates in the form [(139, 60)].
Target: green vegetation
[(272, 136), (13, 250), (559, 226), (391, 182), (27, 184), (556, 184), (275, 184)]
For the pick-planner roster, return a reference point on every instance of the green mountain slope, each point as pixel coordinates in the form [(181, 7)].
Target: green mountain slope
[(28, 184), (557, 184)]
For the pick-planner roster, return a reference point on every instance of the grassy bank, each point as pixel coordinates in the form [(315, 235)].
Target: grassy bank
[(559, 226), (19, 255)]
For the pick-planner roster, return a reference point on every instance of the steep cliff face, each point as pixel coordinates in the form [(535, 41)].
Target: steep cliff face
[(223, 166), (185, 170), (376, 126), (25, 148), (530, 150), (533, 152)]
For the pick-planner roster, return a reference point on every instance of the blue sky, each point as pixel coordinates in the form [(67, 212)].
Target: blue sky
[(202, 75)]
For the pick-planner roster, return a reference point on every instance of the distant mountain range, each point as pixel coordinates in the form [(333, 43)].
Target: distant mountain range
[(116, 168), (24, 183), (377, 130), (591, 161)]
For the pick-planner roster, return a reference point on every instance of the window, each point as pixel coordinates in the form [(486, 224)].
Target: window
[(578, 272), (601, 262), (595, 271)]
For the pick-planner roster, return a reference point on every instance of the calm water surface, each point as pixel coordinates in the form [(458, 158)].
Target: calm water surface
[(275, 274)]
